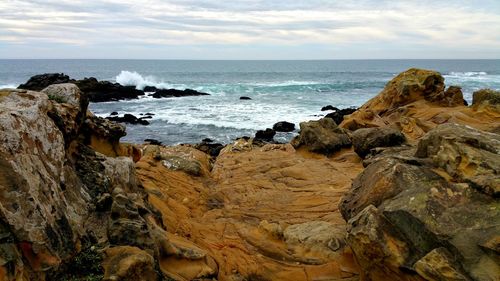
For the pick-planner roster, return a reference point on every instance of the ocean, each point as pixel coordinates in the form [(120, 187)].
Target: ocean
[(292, 91)]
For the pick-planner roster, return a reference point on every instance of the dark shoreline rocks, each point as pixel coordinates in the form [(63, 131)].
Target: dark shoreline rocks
[(338, 115), (245, 98), (266, 135), (130, 119), (103, 91)]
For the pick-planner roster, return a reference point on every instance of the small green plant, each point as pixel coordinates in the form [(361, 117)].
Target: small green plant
[(56, 99)]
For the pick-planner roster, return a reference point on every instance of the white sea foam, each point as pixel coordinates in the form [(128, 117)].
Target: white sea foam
[(468, 73), (132, 78)]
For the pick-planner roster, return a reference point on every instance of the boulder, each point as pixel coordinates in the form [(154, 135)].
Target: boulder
[(423, 217), (39, 82), (322, 136), (365, 139), (338, 115), (329, 107), (209, 147), (168, 93), (67, 93), (265, 135), (284, 126), (467, 154), (245, 98), (486, 97)]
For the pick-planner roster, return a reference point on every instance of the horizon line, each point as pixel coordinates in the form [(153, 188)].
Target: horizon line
[(340, 59)]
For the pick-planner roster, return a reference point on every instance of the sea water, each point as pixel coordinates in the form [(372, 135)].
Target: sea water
[(292, 91)]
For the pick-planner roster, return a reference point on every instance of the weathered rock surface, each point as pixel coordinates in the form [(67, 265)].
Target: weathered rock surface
[(322, 136), (466, 154), (486, 98), (102, 91), (407, 214), (365, 139), (416, 101)]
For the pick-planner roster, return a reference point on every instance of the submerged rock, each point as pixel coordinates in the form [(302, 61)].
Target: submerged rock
[(322, 136), (245, 98), (329, 107), (130, 119)]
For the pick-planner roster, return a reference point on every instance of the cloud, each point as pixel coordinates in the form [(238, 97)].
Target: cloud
[(452, 27)]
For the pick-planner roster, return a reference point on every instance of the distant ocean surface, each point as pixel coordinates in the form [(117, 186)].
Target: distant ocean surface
[(291, 91)]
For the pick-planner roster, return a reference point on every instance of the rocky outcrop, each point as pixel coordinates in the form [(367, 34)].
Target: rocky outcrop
[(364, 140), (407, 218), (322, 136), (39, 82), (329, 107), (485, 98), (415, 101), (466, 154), (102, 91), (284, 126)]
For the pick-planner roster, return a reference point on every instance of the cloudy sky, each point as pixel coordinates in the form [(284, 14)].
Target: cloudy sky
[(249, 29)]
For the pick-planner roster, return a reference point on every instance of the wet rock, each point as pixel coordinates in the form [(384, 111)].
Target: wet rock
[(329, 107), (322, 136), (265, 135), (467, 154), (207, 140), (284, 126), (129, 119), (210, 148), (150, 89), (153, 141), (114, 113), (245, 98), (366, 139), (39, 82), (102, 91), (168, 93), (338, 115)]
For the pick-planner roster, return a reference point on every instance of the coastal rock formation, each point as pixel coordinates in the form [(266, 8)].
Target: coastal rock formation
[(322, 136), (416, 101), (130, 119), (408, 219), (40, 82), (365, 139), (265, 135), (486, 97)]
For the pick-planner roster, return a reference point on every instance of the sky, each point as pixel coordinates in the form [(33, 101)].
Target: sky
[(250, 29)]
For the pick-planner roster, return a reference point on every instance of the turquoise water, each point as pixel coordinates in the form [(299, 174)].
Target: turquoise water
[(291, 91)]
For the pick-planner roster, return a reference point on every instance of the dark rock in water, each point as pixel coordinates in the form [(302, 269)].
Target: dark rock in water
[(322, 136), (284, 126), (149, 114), (207, 140), (365, 139), (128, 118), (113, 113), (245, 98), (338, 116), (150, 89), (153, 141), (40, 82), (212, 149), (146, 117), (329, 107), (168, 93), (265, 135), (102, 91)]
